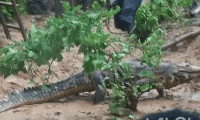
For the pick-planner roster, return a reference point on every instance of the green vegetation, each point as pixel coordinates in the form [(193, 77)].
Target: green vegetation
[(46, 44), (85, 30), (149, 19), (150, 16), (8, 11)]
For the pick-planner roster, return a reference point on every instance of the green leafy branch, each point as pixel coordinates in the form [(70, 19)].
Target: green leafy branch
[(9, 12), (74, 28), (84, 29), (150, 15)]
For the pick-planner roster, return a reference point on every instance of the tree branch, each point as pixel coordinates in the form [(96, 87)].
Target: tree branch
[(181, 38)]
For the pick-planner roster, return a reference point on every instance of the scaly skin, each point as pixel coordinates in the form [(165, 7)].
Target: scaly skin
[(71, 86), (170, 74)]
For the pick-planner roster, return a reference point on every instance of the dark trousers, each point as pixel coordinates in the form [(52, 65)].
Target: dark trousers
[(124, 20)]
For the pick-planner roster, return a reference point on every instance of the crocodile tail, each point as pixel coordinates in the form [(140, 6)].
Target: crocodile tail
[(35, 95)]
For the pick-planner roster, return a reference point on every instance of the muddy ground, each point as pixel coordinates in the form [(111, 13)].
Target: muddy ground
[(185, 96)]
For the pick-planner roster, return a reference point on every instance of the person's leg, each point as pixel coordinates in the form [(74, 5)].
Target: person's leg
[(124, 20), (36, 7), (58, 8), (87, 4)]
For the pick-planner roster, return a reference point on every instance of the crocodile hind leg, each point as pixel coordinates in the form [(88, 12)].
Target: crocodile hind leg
[(97, 80), (99, 96)]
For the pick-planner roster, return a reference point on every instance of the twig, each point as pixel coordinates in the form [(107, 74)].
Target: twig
[(49, 74), (195, 84), (181, 38)]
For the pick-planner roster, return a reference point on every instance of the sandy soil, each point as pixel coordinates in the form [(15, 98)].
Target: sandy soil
[(185, 96)]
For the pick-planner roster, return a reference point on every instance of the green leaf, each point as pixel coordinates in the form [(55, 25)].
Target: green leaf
[(45, 87), (146, 73), (86, 58), (113, 107), (102, 87), (145, 87), (97, 63), (59, 57), (66, 6), (88, 67), (131, 117)]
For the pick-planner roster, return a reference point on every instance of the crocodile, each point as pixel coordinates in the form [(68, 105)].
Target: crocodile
[(171, 74)]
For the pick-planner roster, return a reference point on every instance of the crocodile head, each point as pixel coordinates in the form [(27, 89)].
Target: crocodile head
[(181, 73)]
